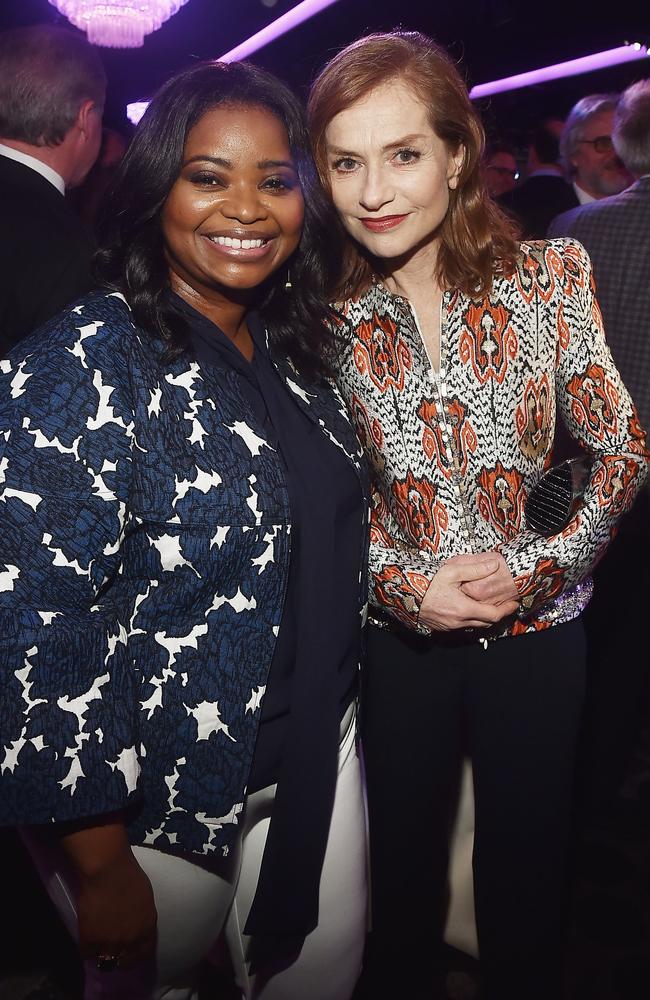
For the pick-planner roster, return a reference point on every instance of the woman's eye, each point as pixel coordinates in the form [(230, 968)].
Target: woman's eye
[(344, 165), (407, 155), (206, 179), (278, 184)]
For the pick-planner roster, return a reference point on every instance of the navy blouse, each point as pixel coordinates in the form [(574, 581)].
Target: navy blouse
[(313, 673)]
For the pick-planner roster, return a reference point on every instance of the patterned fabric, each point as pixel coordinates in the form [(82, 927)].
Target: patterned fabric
[(615, 232), (144, 561), (454, 455)]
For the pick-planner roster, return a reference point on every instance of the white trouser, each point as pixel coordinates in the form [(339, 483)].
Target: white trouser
[(194, 905)]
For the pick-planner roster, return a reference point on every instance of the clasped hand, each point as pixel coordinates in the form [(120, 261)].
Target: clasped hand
[(469, 591)]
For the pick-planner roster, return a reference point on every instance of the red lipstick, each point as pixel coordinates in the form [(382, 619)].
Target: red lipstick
[(382, 224)]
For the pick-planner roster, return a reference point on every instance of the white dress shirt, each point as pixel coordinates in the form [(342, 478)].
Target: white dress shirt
[(582, 196), (34, 164)]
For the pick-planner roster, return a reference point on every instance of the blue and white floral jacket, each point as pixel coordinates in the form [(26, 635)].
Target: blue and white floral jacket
[(143, 562)]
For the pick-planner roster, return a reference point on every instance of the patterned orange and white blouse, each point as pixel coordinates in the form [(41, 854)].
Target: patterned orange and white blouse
[(454, 453)]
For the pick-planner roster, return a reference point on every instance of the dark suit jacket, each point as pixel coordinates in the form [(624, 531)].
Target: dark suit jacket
[(44, 252), (537, 201), (616, 233)]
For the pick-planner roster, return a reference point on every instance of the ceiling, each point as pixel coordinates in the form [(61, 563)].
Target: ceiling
[(492, 38)]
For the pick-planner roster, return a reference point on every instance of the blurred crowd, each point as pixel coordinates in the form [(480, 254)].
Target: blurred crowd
[(588, 177)]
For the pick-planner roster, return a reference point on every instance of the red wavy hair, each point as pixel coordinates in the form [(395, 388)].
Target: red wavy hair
[(477, 241)]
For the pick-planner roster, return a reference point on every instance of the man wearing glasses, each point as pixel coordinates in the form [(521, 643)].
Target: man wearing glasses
[(588, 156), (500, 168)]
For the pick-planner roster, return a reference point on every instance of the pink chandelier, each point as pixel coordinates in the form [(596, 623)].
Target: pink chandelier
[(118, 24)]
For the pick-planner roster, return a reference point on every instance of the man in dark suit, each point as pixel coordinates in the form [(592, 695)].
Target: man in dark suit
[(52, 89), (616, 232), (544, 193)]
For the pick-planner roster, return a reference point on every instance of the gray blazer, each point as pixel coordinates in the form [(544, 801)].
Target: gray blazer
[(616, 234)]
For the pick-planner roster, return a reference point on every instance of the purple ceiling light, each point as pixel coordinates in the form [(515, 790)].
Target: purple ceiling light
[(599, 60), (302, 12), (118, 24)]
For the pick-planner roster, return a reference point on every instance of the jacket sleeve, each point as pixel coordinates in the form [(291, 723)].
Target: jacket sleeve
[(600, 415), (399, 575), (68, 693)]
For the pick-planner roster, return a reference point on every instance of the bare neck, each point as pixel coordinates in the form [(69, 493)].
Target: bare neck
[(414, 278), (228, 314)]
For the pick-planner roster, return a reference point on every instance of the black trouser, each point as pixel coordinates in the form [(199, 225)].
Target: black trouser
[(515, 708), (618, 662)]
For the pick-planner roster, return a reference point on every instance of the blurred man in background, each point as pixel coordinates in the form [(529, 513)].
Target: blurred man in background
[(52, 90), (501, 170), (589, 159), (545, 193)]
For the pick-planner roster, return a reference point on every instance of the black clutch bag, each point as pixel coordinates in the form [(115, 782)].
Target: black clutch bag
[(554, 500)]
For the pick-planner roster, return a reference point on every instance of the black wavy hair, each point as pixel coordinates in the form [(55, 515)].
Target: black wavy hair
[(131, 257)]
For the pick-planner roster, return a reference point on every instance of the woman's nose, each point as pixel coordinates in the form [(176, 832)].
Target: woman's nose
[(245, 205), (376, 190)]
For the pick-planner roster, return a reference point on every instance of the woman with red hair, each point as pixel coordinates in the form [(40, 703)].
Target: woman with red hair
[(456, 344)]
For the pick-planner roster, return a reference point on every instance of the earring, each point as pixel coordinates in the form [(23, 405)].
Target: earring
[(287, 284)]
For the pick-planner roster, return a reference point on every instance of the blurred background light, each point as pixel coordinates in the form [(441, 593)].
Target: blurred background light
[(586, 64), (302, 12), (118, 24)]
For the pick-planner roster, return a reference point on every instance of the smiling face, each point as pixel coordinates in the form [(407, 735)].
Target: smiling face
[(390, 174), (598, 173), (235, 213)]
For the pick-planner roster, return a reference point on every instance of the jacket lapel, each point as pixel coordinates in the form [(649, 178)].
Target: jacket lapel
[(323, 404)]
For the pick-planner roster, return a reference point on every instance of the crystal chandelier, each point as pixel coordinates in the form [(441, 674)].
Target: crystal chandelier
[(118, 24)]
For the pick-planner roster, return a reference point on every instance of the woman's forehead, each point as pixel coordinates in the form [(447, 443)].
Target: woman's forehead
[(238, 128), (383, 115)]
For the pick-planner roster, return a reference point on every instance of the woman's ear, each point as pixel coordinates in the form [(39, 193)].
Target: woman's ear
[(454, 167)]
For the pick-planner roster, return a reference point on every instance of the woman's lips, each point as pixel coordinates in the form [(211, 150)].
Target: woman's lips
[(382, 224), (239, 252)]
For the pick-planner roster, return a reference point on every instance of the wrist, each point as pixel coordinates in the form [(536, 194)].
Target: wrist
[(92, 851)]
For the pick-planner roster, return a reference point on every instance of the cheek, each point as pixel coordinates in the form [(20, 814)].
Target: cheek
[(343, 194), (430, 191), (184, 211), (174, 226)]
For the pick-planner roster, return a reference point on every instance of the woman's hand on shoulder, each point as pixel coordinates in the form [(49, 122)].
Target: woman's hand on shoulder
[(116, 911), (447, 605)]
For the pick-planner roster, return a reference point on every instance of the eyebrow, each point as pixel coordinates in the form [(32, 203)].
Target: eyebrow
[(219, 161), (405, 140)]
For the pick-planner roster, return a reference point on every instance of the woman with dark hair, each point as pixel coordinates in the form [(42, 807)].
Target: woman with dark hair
[(457, 342), (183, 521)]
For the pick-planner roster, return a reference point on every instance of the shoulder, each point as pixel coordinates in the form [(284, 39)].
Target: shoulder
[(368, 305), (546, 271), (88, 344), (551, 255), (37, 221), (101, 320), (594, 216)]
